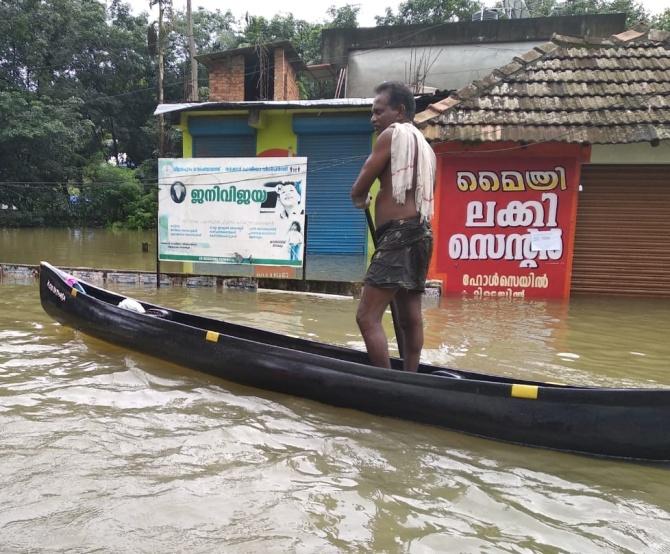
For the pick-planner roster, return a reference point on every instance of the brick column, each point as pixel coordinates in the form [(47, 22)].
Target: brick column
[(285, 84), (226, 80)]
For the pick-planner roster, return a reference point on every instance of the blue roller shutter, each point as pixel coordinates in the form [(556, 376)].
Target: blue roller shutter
[(230, 146), (336, 148), (222, 137)]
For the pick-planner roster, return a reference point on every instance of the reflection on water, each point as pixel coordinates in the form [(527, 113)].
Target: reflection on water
[(122, 249), (99, 248), (105, 449), (590, 341)]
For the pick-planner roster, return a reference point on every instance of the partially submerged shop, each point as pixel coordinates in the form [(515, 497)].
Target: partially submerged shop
[(505, 221), (553, 173), (335, 135)]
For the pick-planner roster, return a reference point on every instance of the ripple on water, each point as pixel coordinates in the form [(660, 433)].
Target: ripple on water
[(102, 449)]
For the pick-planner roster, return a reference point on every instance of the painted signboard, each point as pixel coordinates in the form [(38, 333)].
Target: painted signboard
[(232, 210), (507, 226)]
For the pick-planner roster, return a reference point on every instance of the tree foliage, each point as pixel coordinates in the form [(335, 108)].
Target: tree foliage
[(662, 21), (107, 195), (78, 85), (429, 11), (305, 36), (343, 17), (635, 12)]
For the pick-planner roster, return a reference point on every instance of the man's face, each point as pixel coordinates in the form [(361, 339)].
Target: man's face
[(288, 195), (383, 114)]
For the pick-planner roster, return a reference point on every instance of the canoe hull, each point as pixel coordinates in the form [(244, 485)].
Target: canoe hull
[(621, 423)]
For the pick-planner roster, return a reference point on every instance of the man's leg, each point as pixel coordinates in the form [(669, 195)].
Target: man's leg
[(411, 322), (371, 308)]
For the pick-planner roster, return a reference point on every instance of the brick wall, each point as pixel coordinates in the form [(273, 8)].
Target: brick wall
[(285, 85), (226, 80)]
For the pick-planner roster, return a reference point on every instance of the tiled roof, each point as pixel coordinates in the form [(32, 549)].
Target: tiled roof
[(570, 89)]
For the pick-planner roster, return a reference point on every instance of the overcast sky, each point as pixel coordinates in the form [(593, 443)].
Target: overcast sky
[(315, 10)]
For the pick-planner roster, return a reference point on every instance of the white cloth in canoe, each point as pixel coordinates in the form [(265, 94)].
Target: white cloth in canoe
[(406, 141)]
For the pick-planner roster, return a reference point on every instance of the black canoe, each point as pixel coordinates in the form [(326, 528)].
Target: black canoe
[(620, 423)]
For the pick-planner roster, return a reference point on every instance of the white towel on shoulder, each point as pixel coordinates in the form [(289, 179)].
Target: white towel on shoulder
[(404, 144)]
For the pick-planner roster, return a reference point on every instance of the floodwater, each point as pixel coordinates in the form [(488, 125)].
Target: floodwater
[(122, 249), (106, 450)]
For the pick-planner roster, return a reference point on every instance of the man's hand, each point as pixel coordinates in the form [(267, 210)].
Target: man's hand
[(362, 205)]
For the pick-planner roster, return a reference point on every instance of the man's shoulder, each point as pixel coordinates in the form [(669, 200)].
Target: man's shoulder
[(384, 138)]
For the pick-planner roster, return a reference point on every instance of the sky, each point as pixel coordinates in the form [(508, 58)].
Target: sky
[(315, 10)]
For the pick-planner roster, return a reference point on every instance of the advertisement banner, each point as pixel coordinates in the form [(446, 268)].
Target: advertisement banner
[(232, 210), (509, 226)]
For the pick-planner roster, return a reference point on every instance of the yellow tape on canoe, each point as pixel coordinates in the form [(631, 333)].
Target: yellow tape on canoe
[(73, 292), (525, 391), (212, 336)]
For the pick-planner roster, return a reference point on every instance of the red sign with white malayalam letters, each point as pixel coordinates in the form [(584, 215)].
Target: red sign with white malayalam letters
[(506, 225)]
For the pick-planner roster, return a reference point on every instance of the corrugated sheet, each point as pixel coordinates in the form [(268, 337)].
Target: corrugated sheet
[(622, 239), (261, 104)]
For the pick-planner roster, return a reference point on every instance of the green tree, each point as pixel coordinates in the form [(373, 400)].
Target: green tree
[(119, 88), (76, 83), (305, 36), (40, 145), (662, 21), (212, 31), (343, 17), (429, 11), (635, 12), (142, 212), (108, 194)]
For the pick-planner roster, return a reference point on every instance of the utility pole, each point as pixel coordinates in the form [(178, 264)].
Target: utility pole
[(193, 96), (161, 70), (156, 43)]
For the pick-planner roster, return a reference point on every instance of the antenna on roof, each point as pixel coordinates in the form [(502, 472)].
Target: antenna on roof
[(485, 15), (515, 9), (512, 9)]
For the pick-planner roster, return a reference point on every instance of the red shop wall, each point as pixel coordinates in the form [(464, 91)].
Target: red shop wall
[(505, 219)]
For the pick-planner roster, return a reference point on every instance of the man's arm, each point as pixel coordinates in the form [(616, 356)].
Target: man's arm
[(372, 168)]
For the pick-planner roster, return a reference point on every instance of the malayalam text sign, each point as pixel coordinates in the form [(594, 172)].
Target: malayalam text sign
[(509, 226), (232, 210)]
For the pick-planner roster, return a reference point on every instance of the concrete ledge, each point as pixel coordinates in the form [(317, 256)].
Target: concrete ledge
[(27, 273)]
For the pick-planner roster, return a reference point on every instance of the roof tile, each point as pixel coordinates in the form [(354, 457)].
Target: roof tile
[(627, 36), (529, 57), (570, 89)]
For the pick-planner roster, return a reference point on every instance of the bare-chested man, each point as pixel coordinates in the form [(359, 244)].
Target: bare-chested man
[(405, 165)]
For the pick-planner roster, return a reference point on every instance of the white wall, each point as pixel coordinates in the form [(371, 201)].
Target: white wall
[(638, 153), (454, 66)]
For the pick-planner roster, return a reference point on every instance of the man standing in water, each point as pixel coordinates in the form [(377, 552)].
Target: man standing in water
[(404, 163)]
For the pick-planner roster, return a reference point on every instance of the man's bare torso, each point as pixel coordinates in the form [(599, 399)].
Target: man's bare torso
[(386, 207)]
